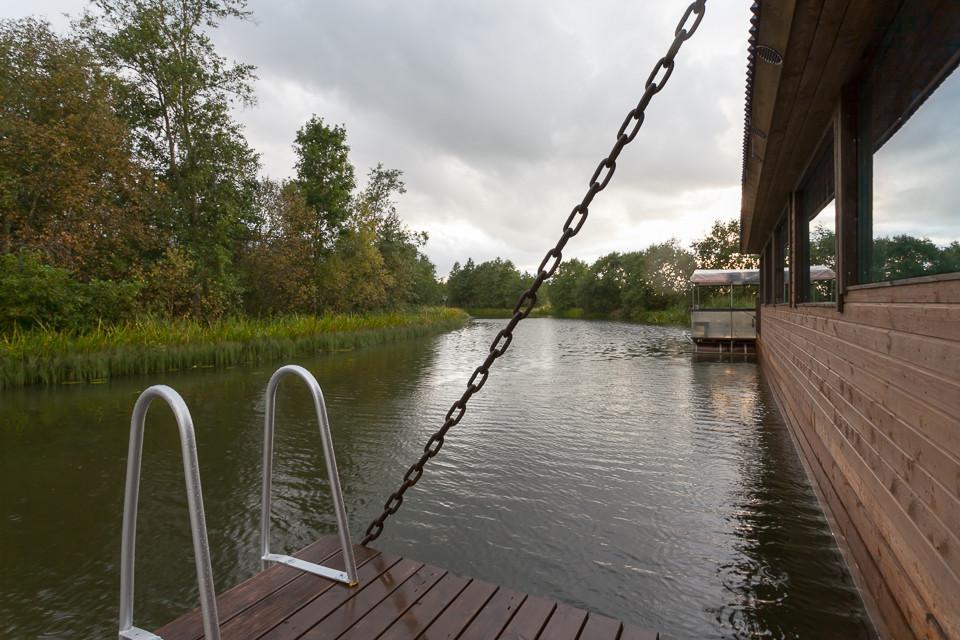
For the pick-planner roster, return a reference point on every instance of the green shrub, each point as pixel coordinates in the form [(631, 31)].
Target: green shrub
[(34, 294)]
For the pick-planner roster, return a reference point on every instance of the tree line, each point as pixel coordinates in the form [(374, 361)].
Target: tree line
[(630, 285), (126, 187), (625, 285)]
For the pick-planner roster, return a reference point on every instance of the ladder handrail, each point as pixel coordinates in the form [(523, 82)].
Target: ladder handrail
[(198, 525), (350, 563)]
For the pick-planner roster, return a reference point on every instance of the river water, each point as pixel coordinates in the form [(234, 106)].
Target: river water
[(601, 466)]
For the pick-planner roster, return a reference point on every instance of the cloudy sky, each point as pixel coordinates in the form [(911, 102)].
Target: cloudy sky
[(497, 111)]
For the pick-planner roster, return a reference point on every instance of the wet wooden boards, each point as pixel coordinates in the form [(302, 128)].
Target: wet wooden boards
[(396, 598)]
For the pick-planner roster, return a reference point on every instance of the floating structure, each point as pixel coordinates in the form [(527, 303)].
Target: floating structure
[(719, 328), (867, 369), (729, 328)]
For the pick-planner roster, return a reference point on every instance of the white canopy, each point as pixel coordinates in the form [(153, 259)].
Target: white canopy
[(714, 277), (725, 276)]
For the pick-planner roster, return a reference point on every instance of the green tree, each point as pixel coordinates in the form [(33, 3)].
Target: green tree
[(461, 285), (720, 248), (279, 261), (353, 276), (599, 291), (905, 256), (69, 185), (325, 175), (493, 284), (949, 261), (823, 247), (656, 278), (177, 94), (564, 283)]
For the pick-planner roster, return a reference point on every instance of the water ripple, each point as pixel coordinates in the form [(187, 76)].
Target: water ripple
[(600, 466)]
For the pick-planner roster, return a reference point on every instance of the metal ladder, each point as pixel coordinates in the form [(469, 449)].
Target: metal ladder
[(198, 525), (348, 577)]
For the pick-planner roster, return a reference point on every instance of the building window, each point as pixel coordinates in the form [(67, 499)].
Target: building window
[(909, 152), (781, 262), (816, 246), (822, 255), (915, 227)]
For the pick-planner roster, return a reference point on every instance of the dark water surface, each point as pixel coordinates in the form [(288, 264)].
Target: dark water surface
[(600, 466)]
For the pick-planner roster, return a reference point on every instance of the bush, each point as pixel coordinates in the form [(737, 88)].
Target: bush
[(35, 294)]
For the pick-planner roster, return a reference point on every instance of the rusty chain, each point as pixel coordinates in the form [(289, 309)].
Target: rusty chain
[(548, 266)]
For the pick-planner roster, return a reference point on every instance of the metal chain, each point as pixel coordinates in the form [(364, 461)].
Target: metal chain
[(548, 266)]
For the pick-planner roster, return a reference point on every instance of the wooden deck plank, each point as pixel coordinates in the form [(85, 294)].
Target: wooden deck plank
[(529, 619), (282, 603), (461, 612), (395, 599), (600, 628), (319, 608), (427, 608), (387, 611), (360, 605), (565, 623), (235, 600), (495, 615)]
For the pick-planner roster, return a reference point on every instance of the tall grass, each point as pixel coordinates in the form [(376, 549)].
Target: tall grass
[(153, 346)]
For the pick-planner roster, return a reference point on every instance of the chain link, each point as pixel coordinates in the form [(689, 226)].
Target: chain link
[(526, 302)]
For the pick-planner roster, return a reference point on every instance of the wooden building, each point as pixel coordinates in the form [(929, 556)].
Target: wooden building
[(850, 158)]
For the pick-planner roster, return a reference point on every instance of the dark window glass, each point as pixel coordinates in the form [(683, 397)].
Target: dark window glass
[(782, 263), (915, 226)]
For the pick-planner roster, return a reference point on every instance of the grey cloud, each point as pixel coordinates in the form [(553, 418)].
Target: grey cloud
[(498, 111)]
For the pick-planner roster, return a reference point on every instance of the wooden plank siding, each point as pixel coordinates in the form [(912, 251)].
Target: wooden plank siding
[(872, 395)]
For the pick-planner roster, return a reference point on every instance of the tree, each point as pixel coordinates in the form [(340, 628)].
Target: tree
[(325, 175), (176, 94), (720, 248), (69, 185), (564, 283), (353, 277), (823, 247), (599, 291), (949, 261), (656, 278), (279, 262), (668, 268), (494, 284), (905, 256)]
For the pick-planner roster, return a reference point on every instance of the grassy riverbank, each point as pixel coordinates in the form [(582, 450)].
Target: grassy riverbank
[(672, 316), (153, 346)]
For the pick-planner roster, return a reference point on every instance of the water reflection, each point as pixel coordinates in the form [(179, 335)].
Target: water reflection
[(600, 466)]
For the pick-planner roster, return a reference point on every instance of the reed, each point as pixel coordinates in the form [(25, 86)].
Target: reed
[(151, 345)]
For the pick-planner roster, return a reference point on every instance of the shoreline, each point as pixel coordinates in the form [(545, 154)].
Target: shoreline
[(156, 346), (665, 317)]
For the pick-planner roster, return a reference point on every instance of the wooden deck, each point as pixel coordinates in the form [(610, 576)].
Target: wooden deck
[(396, 598)]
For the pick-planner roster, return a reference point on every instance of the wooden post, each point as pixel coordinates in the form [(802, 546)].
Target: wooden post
[(846, 181), (798, 258)]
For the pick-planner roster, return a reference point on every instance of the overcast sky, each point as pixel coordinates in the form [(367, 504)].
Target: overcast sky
[(497, 111)]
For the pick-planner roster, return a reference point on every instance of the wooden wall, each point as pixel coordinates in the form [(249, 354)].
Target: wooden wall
[(872, 395)]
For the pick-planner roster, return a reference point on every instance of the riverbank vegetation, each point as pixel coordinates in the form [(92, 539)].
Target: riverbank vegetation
[(136, 235), (650, 286), (127, 190), (47, 356)]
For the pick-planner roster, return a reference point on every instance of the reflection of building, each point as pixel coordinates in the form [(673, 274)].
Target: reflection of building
[(839, 93)]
